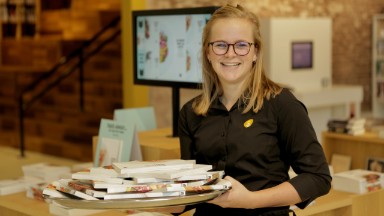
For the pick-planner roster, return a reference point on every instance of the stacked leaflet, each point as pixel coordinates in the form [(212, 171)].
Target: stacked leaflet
[(139, 179), (352, 126)]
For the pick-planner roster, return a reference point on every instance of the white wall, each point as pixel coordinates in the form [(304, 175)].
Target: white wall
[(278, 35)]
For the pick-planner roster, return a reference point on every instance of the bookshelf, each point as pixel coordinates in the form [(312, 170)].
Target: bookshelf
[(19, 18), (378, 66)]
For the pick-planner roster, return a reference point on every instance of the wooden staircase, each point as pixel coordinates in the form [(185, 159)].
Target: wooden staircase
[(55, 124)]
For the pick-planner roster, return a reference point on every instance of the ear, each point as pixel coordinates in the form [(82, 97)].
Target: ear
[(254, 58)]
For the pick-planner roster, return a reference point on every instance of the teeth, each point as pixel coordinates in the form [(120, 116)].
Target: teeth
[(230, 64)]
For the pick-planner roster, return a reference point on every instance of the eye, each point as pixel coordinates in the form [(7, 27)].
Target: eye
[(241, 45), (220, 45)]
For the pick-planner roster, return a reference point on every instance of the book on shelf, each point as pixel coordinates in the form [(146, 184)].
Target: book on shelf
[(155, 165)]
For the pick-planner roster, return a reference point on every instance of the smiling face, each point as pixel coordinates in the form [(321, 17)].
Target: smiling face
[(230, 67)]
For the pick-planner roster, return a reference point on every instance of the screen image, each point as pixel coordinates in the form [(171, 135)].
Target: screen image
[(168, 45), (302, 55)]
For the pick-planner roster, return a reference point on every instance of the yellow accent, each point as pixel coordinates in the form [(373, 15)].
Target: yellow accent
[(248, 123), (133, 95)]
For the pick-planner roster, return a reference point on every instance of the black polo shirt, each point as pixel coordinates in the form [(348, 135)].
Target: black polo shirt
[(257, 149)]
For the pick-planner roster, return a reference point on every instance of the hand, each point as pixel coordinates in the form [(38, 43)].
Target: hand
[(235, 197)]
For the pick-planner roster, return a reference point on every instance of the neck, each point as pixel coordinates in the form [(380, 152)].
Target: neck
[(231, 94)]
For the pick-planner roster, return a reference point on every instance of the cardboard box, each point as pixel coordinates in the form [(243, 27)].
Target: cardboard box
[(358, 181)]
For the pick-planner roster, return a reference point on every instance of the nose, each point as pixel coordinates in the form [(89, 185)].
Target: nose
[(231, 51)]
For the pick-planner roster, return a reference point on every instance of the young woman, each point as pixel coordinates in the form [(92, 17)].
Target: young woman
[(249, 126)]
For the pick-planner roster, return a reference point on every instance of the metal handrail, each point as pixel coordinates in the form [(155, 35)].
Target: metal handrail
[(64, 61)]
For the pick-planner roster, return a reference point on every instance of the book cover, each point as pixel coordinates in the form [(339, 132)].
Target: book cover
[(86, 187), (143, 117), (156, 165), (221, 184), (62, 185), (114, 142)]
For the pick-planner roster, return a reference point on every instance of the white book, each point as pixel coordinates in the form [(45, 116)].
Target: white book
[(105, 185), (63, 187), (202, 176), (88, 176), (222, 184), (107, 171), (148, 166), (151, 194), (173, 174), (144, 180), (52, 192), (10, 186), (358, 181), (144, 188), (86, 187), (47, 172), (58, 210)]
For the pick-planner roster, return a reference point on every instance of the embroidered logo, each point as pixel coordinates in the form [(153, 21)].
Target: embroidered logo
[(248, 123)]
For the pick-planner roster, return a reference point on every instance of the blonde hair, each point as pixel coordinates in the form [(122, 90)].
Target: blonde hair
[(256, 89)]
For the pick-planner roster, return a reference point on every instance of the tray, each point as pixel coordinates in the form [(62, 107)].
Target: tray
[(137, 203)]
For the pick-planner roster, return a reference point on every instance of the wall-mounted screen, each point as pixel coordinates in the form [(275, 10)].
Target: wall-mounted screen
[(167, 46), (302, 54)]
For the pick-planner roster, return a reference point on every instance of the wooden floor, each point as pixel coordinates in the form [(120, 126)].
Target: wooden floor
[(11, 161)]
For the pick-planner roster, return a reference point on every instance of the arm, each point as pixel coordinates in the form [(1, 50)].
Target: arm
[(280, 195)]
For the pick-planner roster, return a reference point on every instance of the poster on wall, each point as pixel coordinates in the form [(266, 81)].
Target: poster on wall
[(302, 55)]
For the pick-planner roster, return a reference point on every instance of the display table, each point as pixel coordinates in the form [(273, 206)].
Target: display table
[(158, 145)]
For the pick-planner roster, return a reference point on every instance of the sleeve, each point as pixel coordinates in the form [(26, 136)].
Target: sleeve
[(186, 140), (185, 135), (305, 153)]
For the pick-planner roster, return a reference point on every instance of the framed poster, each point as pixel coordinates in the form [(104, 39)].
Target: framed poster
[(375, 164), (302, 54)]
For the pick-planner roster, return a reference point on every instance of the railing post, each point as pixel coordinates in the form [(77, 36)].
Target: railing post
[(21, 125), (81, 79)]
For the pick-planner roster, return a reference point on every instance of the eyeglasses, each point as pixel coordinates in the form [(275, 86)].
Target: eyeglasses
[(241, 48)]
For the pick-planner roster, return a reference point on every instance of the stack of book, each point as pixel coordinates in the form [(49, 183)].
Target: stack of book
[(36, 177), (353, 126), (139, 179)]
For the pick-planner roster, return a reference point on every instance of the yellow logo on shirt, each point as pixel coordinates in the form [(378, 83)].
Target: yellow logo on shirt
[(248, 123)]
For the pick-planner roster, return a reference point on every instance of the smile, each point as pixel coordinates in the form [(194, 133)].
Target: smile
[(230, 64)]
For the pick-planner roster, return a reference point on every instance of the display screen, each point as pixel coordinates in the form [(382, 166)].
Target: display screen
[(167, 46), (302, 55)]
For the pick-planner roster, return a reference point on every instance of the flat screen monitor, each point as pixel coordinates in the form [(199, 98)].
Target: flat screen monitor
[(167, 46), (166, 50)]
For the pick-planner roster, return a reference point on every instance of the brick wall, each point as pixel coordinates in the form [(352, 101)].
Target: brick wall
[(352, 38)]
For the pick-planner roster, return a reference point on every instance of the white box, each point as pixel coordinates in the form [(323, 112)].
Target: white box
[(358, 181)]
